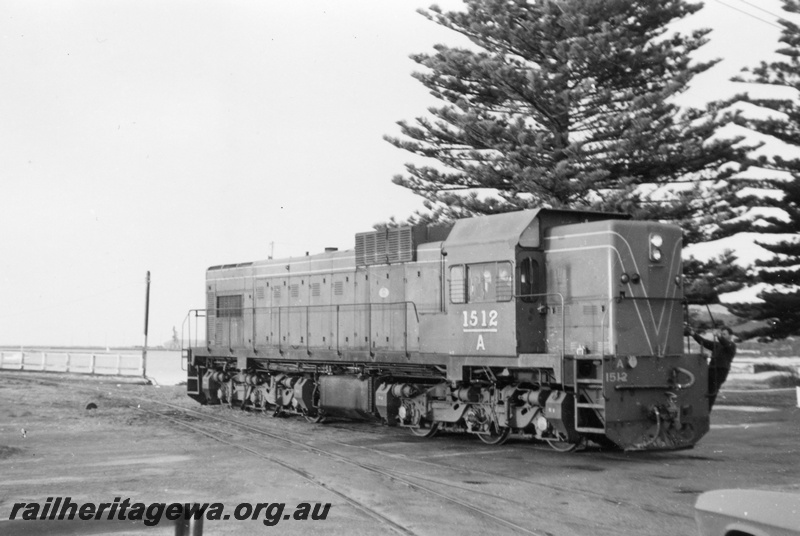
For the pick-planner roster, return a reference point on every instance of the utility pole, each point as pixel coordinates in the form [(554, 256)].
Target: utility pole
[(146, 319)]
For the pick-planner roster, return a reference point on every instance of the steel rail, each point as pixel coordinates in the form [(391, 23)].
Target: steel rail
[(307, 476), (399, 476), (564, 489)]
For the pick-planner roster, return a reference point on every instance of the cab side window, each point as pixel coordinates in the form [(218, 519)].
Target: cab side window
[(458, 289), (481, 282)]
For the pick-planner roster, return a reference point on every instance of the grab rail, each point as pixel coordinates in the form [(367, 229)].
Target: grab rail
[(366, 309)]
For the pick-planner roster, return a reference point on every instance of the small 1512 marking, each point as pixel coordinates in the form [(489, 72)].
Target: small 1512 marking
[(616, 377), (480, 318)]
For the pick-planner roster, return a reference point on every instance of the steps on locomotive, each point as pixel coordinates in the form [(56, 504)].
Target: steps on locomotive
[(589, 401), (194, 382)]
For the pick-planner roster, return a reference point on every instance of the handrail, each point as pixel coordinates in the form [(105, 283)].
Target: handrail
[(606, 313), (186, 326), (563, 316), (619, 299), (280, 309), (646, 298)]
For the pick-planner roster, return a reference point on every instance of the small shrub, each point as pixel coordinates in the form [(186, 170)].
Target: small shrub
[(769, 367), (784, 380)]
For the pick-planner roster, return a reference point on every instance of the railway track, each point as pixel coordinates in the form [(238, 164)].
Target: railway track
[(473, 472), (261, 443), (200, 423), (357, 505), (410, 480)]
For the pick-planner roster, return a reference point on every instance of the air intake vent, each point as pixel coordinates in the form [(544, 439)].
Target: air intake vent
[(211, 301), (385, 246), (400, 247)]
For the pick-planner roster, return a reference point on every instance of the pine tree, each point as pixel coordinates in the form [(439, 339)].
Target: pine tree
[(705, 281), (770, 204), (779, 303), (559, 103)]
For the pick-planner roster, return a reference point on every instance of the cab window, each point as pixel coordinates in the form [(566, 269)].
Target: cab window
[(482, 282), (457, 287)]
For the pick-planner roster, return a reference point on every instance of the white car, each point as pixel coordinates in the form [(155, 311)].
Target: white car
[(747, 512)]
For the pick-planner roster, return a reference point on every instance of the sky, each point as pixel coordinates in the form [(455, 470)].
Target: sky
[(171, 136)]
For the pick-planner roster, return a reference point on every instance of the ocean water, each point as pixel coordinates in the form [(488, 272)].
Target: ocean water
[(165, 367)]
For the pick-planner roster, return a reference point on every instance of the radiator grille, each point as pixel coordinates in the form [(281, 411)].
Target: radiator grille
[(399, 248), (210, 303), (229, 306), (385, 246)]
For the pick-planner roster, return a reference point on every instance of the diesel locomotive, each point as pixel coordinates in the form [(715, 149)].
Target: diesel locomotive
[(554, 325)]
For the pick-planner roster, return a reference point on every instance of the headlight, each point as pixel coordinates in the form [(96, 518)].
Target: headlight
[(656, 241)]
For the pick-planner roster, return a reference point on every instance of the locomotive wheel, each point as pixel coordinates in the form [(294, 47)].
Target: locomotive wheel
[(563, 446), (494, 437), (425, 429), (317, 418)]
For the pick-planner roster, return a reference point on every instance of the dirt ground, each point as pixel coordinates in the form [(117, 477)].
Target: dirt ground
[(52, 446)]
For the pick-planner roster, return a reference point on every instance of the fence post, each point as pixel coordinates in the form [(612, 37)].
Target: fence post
[(119, 364), (92, 364), (44, 361), (67, 362)]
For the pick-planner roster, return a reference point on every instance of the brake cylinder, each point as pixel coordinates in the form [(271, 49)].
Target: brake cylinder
[(468, 394), (534, 398), (403, 390), (217, 376)]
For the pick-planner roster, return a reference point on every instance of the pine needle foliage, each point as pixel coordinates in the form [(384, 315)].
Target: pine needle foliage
[(780, 303), (558, 103)]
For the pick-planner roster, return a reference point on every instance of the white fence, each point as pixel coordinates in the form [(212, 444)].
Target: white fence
[(79, 362)]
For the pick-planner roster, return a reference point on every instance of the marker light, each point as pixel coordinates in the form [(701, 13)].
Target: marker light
[(624, 278)]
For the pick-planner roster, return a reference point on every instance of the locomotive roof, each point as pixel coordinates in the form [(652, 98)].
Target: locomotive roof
[(510, 229), (493, 235)]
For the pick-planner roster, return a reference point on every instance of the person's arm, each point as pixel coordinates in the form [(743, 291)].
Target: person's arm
[(705, 343)]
